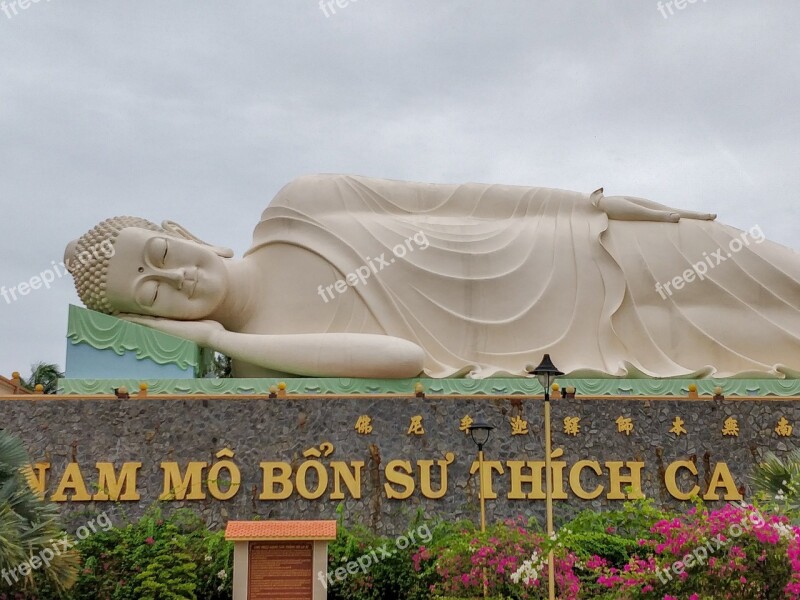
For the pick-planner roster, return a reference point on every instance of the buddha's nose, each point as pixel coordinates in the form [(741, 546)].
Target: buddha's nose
[(175, 277)]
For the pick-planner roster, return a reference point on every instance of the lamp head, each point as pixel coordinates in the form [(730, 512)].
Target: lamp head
[(546, 372), (479, 432)]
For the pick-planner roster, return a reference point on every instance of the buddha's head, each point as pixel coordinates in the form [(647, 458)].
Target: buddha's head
[(130, 265)]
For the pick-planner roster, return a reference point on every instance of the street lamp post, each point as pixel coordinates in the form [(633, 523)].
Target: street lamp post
[(546, 372), (479, 432)]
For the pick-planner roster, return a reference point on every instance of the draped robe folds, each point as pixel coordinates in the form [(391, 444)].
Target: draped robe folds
[(513, 272)]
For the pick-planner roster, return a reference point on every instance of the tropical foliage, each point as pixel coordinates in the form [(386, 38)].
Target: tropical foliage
[(46, 374), (640, 552), (28, 528), (157, 557), (222, 366), (735, 551), (777, 482)]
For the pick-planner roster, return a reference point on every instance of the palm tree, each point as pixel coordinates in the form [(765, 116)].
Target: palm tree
[(46, 374), (28, 527), (779, 480)]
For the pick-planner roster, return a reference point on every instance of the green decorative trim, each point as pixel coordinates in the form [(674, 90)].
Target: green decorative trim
[(105, 332), (435, 387)]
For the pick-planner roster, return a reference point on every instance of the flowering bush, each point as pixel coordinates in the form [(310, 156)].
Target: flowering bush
[(510, 560), (637, 553), (733, 552)]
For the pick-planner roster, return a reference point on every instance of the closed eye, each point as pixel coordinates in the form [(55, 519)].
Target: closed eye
[(156, 252), (147, 293)]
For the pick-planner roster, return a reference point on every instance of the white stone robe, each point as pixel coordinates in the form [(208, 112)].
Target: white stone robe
[(513, 272)]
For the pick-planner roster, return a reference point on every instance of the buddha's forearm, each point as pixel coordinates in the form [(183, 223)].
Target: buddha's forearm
[(324, 354)]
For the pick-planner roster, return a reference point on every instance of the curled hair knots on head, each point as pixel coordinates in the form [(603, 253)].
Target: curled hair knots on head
[(87, 258)]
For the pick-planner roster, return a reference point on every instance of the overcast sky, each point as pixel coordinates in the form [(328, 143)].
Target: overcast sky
[(201, 111)]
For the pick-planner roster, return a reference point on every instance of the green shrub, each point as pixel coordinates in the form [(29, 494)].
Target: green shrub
[(170, 574), (405, 573), (154, 557), (603, 556), (615, 549)]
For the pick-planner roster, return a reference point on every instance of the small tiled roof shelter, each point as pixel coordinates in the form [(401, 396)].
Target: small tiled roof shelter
[(280, 555), (280, 530)]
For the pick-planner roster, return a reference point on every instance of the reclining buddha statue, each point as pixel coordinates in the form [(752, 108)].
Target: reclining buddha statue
[(355, 277)]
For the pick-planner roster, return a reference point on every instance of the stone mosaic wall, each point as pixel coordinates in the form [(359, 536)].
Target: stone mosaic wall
[(153, 431)]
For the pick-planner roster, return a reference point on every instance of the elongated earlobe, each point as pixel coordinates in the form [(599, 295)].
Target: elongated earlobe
[(69, 254), (181, 231), (596, 196)]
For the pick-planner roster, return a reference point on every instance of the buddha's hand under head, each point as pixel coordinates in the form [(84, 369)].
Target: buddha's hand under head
[(199, 332)]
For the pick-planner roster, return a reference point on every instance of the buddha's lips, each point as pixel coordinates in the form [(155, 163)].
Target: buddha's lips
[(193, 280)]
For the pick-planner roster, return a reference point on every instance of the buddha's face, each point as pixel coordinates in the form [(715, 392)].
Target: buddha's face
[(154, 274)]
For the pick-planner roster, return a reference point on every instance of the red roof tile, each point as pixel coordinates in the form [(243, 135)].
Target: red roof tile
[(280, 530)]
